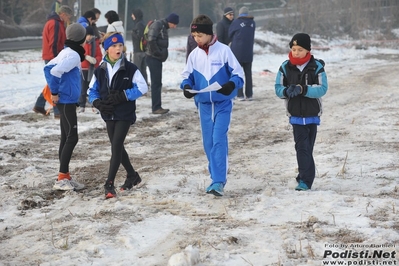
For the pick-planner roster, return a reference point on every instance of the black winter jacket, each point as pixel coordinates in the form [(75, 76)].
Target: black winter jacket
[(302, 106), (158, 40), (121, 80), (222, 30), (138, 30)]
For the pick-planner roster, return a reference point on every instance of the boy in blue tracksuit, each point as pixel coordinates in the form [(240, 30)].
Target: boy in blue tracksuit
[(113, 90), (212, 62), (63, 78), (302, 81)]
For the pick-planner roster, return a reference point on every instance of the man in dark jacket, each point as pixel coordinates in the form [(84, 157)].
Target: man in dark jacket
[(137, 35), (222, 28), (87, 19), (242, 34), (156, 54)]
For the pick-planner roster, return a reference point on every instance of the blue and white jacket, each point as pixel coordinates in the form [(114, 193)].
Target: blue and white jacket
[(122, 76), (203, 69), (63, 76)]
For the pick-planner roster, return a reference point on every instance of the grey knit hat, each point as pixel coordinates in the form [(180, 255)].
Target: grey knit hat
[(227, 10), (243, 11), (76, 32)]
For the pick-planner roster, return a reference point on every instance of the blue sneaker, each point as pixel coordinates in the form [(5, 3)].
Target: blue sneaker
[(302, 186), (215, 189)]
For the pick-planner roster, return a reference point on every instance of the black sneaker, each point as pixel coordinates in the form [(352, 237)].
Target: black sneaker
[(131, 181), (109, 190)]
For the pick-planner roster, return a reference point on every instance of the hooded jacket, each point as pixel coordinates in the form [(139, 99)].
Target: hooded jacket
[(116, 26), (53, 37), (138, 30), (242, 35), (158, 40)]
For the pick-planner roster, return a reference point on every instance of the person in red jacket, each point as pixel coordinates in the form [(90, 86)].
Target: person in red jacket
[(92, 59), (54, 37)]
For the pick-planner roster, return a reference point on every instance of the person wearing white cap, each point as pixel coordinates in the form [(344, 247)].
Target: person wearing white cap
[(63, 78)]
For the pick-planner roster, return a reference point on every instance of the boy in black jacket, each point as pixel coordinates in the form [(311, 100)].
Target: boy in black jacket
[(113, 90)]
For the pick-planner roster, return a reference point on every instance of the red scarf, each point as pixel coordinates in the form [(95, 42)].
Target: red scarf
[(205, 47), (299, 61)]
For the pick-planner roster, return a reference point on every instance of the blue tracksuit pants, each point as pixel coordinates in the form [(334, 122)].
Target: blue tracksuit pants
[(215, 122)]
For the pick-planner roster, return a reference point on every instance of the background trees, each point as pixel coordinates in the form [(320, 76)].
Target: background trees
[(327, 18)]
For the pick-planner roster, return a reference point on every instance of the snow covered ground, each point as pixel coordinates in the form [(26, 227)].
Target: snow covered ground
[(349, 216)]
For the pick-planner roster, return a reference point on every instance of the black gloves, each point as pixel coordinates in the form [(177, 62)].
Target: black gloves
[(227, 88), (186, 93), (117, 97), (105, 107), (293, 91)]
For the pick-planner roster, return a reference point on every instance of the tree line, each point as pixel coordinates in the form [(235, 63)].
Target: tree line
[(327, 18)]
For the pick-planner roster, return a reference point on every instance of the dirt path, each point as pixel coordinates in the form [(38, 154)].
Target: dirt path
[(167, 152)]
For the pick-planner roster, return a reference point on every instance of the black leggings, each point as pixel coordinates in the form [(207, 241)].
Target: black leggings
[(69, 134), (117, 131)]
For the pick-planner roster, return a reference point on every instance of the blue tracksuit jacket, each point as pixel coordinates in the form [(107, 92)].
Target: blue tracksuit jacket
[(202, 69)]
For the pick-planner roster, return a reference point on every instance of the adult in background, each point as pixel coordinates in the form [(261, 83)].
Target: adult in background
[(55, 7), (53, 39), (87, 19), (137, 35), (114, 23), (242, 35), (97, 33), (156, 54), (95, 46), (222, 27)]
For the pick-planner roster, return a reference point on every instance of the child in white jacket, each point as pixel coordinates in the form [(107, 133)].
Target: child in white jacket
[(211, 62), (63, 78)]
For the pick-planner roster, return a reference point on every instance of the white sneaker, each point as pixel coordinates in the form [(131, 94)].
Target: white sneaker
[(66, 184)]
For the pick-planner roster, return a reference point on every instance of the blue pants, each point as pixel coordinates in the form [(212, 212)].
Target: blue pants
[(305, 137), (155, 67), (215, 122)]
